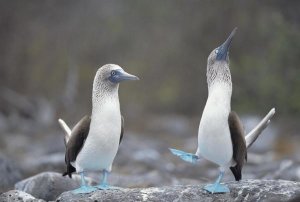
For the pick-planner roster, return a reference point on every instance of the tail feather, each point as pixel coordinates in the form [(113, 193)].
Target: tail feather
[(253, 134), (66, 130), (70, 170), (237, 172)]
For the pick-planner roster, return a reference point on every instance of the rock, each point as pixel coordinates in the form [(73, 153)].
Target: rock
[(9, 174), (16, 195), (246, 190), (150, 179), (49, 185)]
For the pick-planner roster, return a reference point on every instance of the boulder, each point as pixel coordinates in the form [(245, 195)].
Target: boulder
[(49, 185), (246, 190), (16, 195)]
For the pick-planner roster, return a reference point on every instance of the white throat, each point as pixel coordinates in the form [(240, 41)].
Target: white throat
[(219, 84), (106, 107)]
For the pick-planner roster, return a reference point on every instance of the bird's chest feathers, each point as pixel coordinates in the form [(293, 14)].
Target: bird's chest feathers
[(105, 125), (217, 107), (214, 140)]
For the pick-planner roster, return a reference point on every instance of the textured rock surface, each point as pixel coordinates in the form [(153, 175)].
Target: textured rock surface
[(9, 174), (15, 195), (48, 185), (247, 190)]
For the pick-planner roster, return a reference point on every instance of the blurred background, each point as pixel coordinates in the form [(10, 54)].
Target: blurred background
[(50, 51)]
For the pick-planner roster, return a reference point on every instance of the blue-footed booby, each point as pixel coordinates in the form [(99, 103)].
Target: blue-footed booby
[(94, 141), (221, 137)]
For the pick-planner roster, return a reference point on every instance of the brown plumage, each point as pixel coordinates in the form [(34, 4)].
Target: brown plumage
[(238, 144), (76, 142), (74, 145)]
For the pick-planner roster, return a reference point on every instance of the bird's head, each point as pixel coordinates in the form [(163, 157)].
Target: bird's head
[(220, 54), (109, 76)]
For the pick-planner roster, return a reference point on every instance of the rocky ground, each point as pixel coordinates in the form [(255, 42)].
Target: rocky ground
[(31, 167), (246, 190)]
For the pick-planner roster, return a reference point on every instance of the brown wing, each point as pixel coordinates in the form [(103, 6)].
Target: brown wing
[(75, 144), (238, 144), (122, 129)]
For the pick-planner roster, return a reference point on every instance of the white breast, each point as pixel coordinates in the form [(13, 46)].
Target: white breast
[(214, 139), (102, 143)]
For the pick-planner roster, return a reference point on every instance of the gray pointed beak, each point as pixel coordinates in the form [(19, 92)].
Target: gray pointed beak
[(224, 48), (121, 75)]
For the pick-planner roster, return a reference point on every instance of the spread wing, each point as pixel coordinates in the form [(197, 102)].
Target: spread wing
[(122, 129), (238, 143), (75, 143)]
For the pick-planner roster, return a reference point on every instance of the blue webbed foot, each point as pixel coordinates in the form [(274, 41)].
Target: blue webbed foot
[(105, 187), (216, 188), (84, 190), (188, 157)]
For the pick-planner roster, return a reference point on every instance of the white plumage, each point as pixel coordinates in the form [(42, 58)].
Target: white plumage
[(102, 143), (214, 139)]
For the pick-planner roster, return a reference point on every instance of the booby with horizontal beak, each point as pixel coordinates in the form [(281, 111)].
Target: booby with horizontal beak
[(221, 137), (94, 141)]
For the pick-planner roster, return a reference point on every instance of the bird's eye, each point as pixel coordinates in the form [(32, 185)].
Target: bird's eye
[(113, 73), (216, 51)]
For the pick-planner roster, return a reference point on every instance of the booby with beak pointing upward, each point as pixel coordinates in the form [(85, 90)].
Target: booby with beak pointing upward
[(221, 138), (94, 141)]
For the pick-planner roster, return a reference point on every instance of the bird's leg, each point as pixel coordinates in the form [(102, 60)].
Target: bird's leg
[(83, 182), (104, 179), (188, 157), (103, 184), (84, 188), (217, 187)]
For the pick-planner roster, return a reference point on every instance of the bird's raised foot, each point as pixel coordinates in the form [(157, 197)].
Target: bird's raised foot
[(216, 188), (84, 190), (106, 187), (188, 157)]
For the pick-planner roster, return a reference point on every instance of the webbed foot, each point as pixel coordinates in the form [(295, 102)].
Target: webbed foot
[(216, 188), (188, 157), (84, 190), (105, 187)]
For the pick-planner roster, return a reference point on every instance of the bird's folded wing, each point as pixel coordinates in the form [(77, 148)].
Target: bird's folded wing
[(122, 129), (77, 139), (238, 144)]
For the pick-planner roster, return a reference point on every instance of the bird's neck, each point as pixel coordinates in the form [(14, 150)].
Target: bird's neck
[(219, 84), (105, 100), (219, 73)]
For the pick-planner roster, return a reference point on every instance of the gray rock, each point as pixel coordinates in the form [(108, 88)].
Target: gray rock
[(153, 178), (246, 190), (16, 195), (9, 174), (49, 185)]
